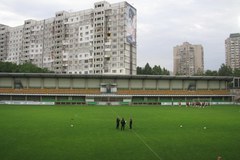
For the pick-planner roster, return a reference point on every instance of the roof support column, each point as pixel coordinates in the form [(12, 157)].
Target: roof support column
[(86, 83), (27, 83), (57, 83), (71, 83), (143, 84), (129, 84), (170, 84), (207, 84), (42, 82), (183, 84)]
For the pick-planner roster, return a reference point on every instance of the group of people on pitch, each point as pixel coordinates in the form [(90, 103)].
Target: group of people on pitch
[(123, 123)]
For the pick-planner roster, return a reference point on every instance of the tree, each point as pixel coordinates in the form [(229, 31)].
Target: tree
[(8, 67), (236, 72), (225, 71), (211, 73), (156, 70), (165, 71), (139, 70), (24, 68), (147, 69)]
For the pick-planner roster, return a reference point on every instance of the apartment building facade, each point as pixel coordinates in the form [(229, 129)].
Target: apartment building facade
[(188, 59), (232, 51), (101, 40)]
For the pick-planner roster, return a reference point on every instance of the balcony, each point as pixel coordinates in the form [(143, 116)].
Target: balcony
[(107, 49), (65, 42)]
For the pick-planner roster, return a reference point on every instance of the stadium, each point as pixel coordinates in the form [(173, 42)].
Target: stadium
[(63, 116), (113, 89)]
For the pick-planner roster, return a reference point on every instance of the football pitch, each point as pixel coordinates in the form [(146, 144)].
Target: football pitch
[(89, 133)]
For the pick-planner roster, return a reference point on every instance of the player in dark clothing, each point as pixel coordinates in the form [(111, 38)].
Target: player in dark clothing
[(130, 123), (123, 122), (117, 123)]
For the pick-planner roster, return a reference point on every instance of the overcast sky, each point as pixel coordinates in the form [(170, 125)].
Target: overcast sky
[(161, 24)]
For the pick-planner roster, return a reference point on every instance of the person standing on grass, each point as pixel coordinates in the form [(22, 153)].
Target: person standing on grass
[(179, 104), (123, 122), (130, 123), (117, 122)]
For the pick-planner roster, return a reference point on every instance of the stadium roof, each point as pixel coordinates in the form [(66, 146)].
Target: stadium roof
[(167, 77)]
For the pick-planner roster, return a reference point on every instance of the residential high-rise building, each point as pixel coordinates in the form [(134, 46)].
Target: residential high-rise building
[(232, 50), (3, 42), (188, 59), (93, 41)]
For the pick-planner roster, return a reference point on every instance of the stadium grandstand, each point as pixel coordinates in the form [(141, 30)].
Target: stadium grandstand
[(31, 88)]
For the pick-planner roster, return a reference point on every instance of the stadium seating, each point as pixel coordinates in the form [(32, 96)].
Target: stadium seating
[(172, 92), (119, 92), (49, 91)]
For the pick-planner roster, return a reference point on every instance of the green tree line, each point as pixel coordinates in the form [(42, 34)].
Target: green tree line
[(155, 70), (22, 68), (224, 70), (146, 70)]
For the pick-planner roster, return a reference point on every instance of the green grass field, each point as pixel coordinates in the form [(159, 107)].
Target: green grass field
[(45, 133)]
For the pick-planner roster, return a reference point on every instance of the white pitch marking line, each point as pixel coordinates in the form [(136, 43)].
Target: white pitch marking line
[(141, 140), (147, 146)]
